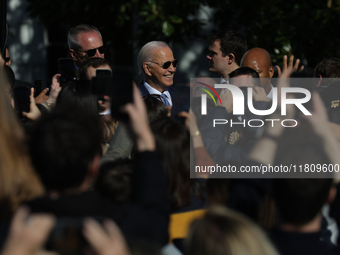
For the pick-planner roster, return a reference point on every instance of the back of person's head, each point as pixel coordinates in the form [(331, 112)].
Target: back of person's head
[(72, 39), (173, 148), (91, 62), (155, 108), (78, 93), (299, 201), (328, 68), (114, 180), (224, 232), (146, 53), (231, 42), (62, 146), (245, 71)]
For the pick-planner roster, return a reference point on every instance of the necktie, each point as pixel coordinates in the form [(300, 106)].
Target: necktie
[(165, 100)]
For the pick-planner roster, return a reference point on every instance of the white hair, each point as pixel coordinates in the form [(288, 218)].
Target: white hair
[(145, 54)]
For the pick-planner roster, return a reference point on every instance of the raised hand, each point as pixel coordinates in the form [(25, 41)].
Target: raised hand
[(106, 239), (34, 112), (41, 97), (28, 233), (55, 89), (259, 94), (289, 65)]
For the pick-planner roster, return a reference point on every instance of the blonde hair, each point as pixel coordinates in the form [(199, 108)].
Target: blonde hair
[(18, 180), (224, 232)]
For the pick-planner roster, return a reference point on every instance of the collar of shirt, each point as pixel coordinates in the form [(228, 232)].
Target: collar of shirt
[(107, 112), (154, 91), (270, 94), (224, 81)]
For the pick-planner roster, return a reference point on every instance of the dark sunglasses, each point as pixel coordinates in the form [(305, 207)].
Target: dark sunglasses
[(92, 52), (167, 64)]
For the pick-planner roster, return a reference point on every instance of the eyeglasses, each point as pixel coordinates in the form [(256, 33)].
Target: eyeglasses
[(167, 64), (92, 52)]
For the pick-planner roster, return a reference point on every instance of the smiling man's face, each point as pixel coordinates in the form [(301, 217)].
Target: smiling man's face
[(161, 78)]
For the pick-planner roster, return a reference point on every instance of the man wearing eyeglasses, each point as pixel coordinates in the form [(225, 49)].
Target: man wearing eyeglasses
[(85, 41), (157, 63)]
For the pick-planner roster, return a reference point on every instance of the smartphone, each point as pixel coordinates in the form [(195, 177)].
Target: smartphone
[(21, 97), (67, 238), (37, 87), (121, 93), (102, 83), (67, 69), (180, 102), (103, 73)]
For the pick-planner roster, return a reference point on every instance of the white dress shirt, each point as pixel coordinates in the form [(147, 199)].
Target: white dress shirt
[(155, 91)]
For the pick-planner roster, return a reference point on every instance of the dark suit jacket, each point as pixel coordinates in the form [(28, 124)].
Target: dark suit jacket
[(145, 92), (146, 216), (331, 96), (224, 142)]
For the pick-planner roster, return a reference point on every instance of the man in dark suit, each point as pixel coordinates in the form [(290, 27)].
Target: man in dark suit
[(157, 63), (233, 142)]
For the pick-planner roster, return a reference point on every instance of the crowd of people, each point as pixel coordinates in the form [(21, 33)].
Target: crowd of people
[(80, 175)]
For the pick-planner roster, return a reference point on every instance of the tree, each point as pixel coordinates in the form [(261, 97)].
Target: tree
[(149, 19), (307, 29)]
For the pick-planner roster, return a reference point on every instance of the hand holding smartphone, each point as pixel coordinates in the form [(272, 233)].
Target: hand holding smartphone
[(121, 93), (67, 69), (21, 97)]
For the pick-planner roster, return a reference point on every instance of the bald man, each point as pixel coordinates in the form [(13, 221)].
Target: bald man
[(260, 60)]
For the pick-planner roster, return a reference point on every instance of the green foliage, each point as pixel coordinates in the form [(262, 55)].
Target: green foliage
[(151, 19), (307, 29), (171, 21)]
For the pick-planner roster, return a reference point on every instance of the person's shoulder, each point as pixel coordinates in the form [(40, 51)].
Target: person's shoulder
[(171, 90), (143, 90), (141, 85)]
